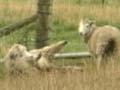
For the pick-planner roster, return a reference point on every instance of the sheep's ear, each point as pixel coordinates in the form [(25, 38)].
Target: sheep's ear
[(92, 22), (12, 55), (16, 47), (89, 21)]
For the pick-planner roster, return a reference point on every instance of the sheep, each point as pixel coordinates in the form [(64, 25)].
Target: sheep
[(102, 42), (17, 58), (43, 57), (20, 61)]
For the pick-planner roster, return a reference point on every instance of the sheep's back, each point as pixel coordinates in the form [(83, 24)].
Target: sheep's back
[(103, 35)]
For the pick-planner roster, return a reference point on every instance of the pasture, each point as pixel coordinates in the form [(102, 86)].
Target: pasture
[(64, 20)]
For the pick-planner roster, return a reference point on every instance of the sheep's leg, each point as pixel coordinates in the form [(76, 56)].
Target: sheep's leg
[(99, 59), (100, 53)]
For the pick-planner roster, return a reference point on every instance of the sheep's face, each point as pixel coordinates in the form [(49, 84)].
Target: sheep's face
[(85, 27), (19, 52)]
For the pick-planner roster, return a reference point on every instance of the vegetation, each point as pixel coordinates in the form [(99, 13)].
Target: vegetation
[(64, 24), (66, 80)]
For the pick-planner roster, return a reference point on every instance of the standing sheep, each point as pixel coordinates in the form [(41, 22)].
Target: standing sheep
[(102, 41), (44, 55)]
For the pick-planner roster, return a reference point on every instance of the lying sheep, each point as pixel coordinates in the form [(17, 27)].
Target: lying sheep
[(16, 60), (102, 41), (44, 55)]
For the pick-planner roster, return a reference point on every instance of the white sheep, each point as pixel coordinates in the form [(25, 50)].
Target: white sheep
[(45, 55), (102, 41), (17, 58)]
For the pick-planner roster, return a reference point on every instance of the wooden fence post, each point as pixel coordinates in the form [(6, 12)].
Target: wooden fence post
[(103, 2), (43, 22)]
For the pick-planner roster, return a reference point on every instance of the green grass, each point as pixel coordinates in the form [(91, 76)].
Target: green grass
[(69, 32)]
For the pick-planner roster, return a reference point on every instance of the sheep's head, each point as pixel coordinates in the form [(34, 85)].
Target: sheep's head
[(86, 27), (19, 52)]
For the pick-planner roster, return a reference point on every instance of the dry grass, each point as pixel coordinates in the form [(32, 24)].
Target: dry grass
[(88, 79), (73, 13), (67, 12), (12, 11)]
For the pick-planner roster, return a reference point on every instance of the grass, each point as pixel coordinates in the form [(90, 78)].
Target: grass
[(61, 31), (87, 79), (64, 24)]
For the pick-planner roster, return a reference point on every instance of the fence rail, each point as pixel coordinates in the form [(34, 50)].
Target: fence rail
[(17, 25), (74, 55)]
